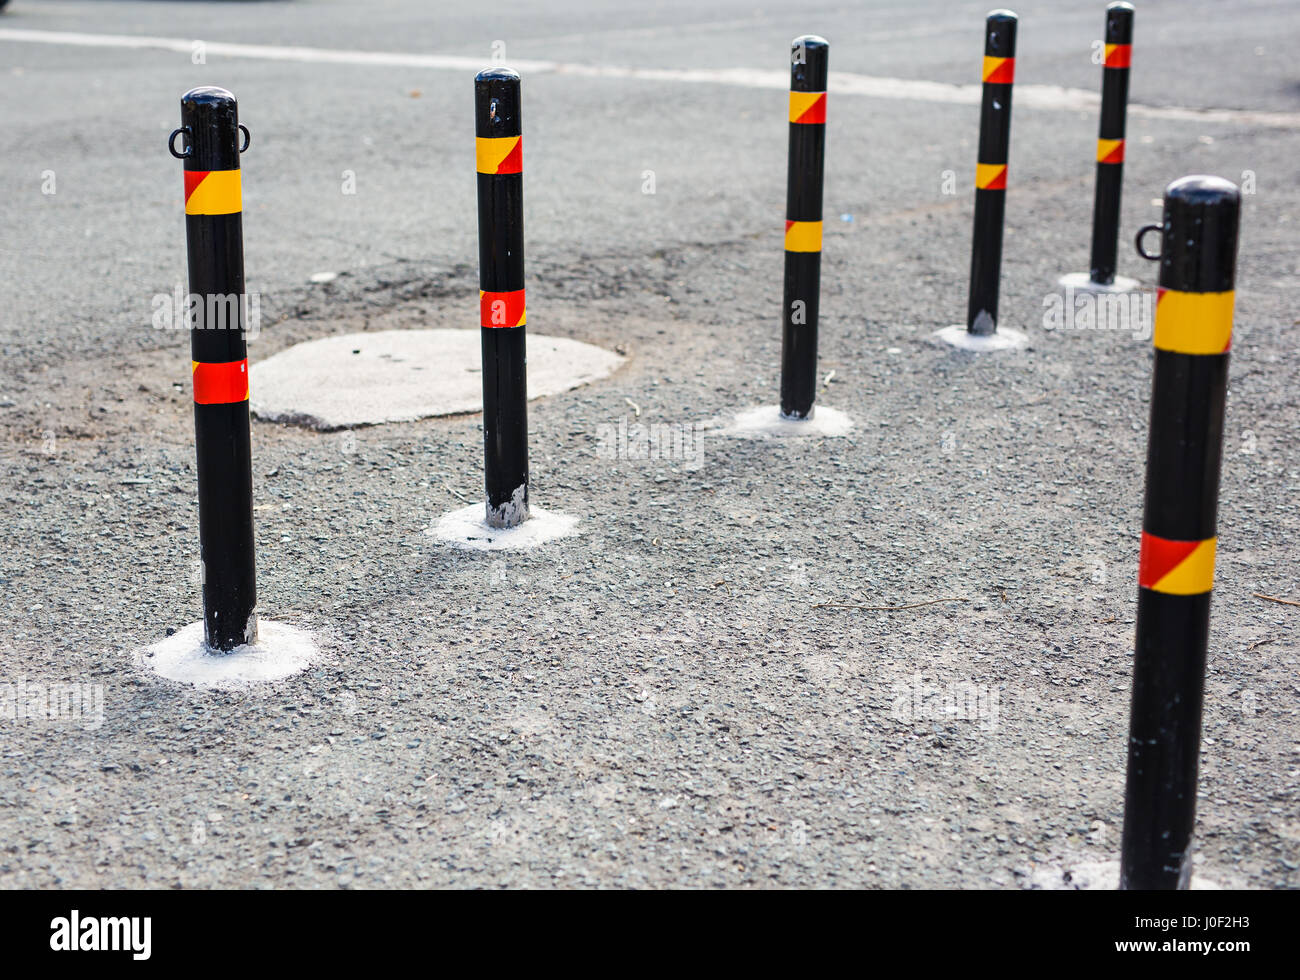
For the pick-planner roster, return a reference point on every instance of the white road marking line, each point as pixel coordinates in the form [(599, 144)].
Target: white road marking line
[(842, 83)]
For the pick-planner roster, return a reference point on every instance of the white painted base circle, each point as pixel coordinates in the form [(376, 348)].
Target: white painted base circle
[(280, 651), (767, 422), (1081, 282), (1003, 338), (467, 528), (1094, 876), (404, 375)]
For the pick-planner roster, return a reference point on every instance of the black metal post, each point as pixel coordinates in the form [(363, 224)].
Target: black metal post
[(991, 171), (809, 60), (499, 152), (219, 360), (1193, 330), (1110, 141)]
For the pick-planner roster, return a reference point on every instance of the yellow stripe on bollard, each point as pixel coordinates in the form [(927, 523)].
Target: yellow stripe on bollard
[(803, 236), (1193, 323), (214, 192)]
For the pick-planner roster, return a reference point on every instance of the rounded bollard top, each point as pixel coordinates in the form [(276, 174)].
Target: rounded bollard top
[(809, 63), (1203, 189), (1119, 23), (1198, 247), (207, 95), (1000, 34), (497, 103), (497, 75), (210, 122)]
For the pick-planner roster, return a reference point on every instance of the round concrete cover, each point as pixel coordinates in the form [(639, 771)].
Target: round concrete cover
[(403, 375)]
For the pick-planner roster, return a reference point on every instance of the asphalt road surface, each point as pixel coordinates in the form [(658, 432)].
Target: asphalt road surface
[(661, 700)]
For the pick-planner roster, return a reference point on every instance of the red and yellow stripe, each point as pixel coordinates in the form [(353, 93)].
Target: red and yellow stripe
[(213, 192), (1110, 151), (808, 107), (991, 176), (803, 236), (220, 384), (499, 154), (1176, 567), (999, 71), (1194, 323), (1119, 55), (501, 309)]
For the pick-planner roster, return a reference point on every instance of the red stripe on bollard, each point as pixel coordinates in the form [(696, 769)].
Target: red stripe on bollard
[(1119, 56), (220, 384), (501, 309)]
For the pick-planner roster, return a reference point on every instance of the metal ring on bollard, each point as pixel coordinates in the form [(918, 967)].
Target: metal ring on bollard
[(218, 359), (171, 143), (1192, 338), (1138, 242), (248, 137)]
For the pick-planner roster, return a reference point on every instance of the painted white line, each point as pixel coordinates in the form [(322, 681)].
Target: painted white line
[(269, 52), (842, 83)]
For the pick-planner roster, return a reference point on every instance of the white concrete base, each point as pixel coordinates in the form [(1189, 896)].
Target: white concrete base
[(404, 375), (280, 651), (767, 422), (467, 528), (1003, 338), (1095, 876), (1081, 282)]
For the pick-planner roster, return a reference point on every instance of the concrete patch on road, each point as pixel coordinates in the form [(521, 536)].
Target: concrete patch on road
[(280, 651), (467, 528), (1004, 338), (766, 422), (404, 375)]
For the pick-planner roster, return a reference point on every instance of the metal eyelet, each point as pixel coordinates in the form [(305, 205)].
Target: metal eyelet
[(1138, 242), (171, 143)]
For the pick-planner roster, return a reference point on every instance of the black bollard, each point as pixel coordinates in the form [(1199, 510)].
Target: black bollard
[(499, 153), (219, 360), (1110, 142), (809, 60), (991, 171), (1193, 330)]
